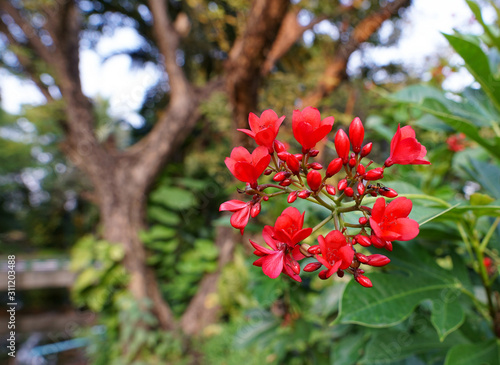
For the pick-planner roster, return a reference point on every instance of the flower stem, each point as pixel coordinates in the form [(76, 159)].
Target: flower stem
[(322, 223)]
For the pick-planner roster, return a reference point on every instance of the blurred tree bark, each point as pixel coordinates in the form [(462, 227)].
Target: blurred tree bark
[(122, 178)]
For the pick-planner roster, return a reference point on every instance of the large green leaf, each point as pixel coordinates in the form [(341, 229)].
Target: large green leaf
[(478, 65), (485, 353), (174, 198), (348, 349), (395, 295)]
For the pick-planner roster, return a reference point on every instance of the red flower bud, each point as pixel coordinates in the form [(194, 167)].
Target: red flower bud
[(322, 274), (360, 170), (363, 220), (342, 145), (366, 150), (286, 182), (314, 180), (304, 194), (294, 265), (363, 240), (352, 162), (361, 188), (291, 197), (348, 191), (356, 134), (266, 198), (334, 167), (254, 212), (268, 172), (293, 164), (364, 281), (388, 245), (388, 192), (279, 146), (314, 250), (283, 156), (342, 184), (330, 189), (298, 156), (313, 266), (280, 176), (315, 166), (313, 153), (362, 258), (378, 260), (374, 174), (377, 242), (340, 273)]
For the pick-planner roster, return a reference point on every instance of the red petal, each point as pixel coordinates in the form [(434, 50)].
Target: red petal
[(240, 218), (272, 265), (378, 210), (301, 235), (262, 249), (254, 122), (398, 208), (232, 205), (244, 171), (407, 228), (241, 154), (268, 233), (247, 132), (347, 255)]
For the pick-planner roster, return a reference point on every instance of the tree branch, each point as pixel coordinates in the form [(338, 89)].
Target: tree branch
[(335, 72)]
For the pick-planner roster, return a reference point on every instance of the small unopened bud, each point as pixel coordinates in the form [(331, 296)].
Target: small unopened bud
[(313, 153), (322, 274), (266, 198), (361, 170), (363, 220), (330, 189), (315, 166), (364, 281), (342, 145), (352, 162), (374, 174), (356, 134), (334, 167), (298, 156), (360, 188), (280, 176), (314, 250), (365, 151), (268, 172), (342, 184), (388, 245), (294, 265), (279, 146), (362, 258), (283, 156), (340, 273), (313, 266), (378, 260), (314, 180), (286, 182), (363, 240), (291, 197), (304, 194), (348, 191), (293, 164), (377, 242), (388, 192), (254, 212)]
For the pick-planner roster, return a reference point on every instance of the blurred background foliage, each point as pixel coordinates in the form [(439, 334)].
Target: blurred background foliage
[(434, 304)]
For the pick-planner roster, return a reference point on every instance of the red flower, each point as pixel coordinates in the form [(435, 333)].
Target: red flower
[(248, 167), (288, 227), (308, 128), (405, 149), (279, 258), (456, 142), (264, 129), (336, 253), (241, 212), (391, 222)]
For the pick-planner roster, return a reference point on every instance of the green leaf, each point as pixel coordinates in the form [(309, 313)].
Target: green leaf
[(486, 174), (480, 199), (485, 353), (163, 216), (349, 349), (174, 198), (395, 295)]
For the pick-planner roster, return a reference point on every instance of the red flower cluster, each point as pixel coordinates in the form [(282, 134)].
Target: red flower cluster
[(297, 176)]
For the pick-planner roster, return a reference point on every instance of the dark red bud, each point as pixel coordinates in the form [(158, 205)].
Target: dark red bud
[(293, 164), (388, 245), (374, 174), (362, 258), (334, 167), (377, 242), (352, 162), (266, 198), (304, 194), (356, 134), (313, 153), (340, 273), (314, 250), (330, 189), (363, 240), (294, 265), (314, 180), (360, 271), (298, 156), (286, 182), (366, 150), (315, 166), (322, 274), (364, 281), (342, 145), (348, 191), (378, 260), (268, 172), (313, 266), (254, 212), (280, 176), (360, 170), (283, 156), (342, 184), (388, 192), (360, 188), (373, 193), (279, 146), (363, 221), (291, 197)]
